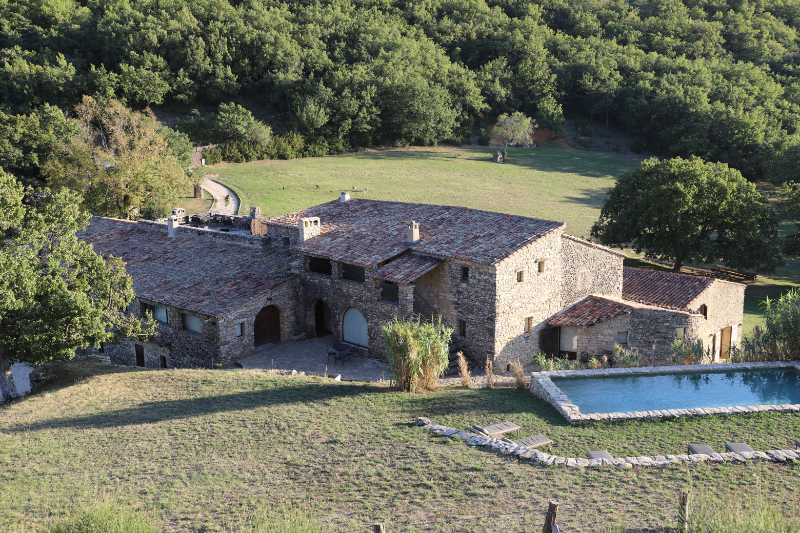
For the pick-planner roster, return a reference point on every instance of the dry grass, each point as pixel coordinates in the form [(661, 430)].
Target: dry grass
[(463, 370), (489, 374), (519, 375), (196, 450)]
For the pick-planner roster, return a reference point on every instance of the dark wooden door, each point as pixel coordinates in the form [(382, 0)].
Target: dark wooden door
[(549, 341), (725, 345), (139, 354), (267, 328)]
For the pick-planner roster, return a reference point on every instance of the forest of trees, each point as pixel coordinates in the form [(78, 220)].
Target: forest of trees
[(715, 78)]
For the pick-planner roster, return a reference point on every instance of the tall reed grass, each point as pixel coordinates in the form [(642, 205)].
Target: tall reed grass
[(463, 370), (417, 352), (519, 374)]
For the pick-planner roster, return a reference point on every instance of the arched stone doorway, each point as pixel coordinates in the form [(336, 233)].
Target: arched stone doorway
[(322, 319), (354, 328), (267, 327)]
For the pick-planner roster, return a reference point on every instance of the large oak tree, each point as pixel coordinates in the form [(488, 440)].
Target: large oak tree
[(688, 210), (56, 293)]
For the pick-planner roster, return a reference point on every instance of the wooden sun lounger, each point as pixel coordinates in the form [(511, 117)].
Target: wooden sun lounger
[(599, 454), (704, 449), (534, 441), (498, 429), (738, 447)]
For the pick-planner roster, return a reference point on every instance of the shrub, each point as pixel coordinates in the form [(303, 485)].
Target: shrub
[(417, 352), (287, 146), (638, 146), (103, 518), (554, 364), (594, 364), (213, 155), (463, 370), (484, 137), (586, 129), (626, 357), (687, 352), (779, 340)]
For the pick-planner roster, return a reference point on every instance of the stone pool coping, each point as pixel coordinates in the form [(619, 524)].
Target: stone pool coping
[(540, 458), (543, 387)]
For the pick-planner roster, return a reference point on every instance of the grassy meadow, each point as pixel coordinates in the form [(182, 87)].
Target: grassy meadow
[(197, 450), (552, 182)]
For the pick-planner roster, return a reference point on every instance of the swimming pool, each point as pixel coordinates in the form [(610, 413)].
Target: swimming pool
[(664, 392)]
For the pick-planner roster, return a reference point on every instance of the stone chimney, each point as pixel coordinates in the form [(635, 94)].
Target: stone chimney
[(309, 228), (172, 226), (412, 234), (344, 197), (255, 212)]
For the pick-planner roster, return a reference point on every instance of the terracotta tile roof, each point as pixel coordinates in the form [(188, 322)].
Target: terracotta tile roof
[(366, 232), (407, 268), (662, 289), (199, 275), (588, 311)]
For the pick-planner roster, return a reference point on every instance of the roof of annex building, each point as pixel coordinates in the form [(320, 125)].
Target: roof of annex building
[(662, 289), (202, 276), (588, 311), (407, 268), (367, 232)]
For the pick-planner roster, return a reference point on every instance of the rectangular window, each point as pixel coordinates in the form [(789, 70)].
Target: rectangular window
[(540, 266), (529, 324), (569, 339), (390, 291), (286, 241), (462, 328), (320, 265), (192, 323), (240, 329), (464, 273), (622, 337), (520, 276), (159, 313), (680, 333)]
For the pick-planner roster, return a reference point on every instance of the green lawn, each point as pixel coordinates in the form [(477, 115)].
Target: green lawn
[(549, 182), (197, 448)]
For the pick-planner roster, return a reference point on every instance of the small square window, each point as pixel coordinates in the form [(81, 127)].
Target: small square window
[(286, 241), (462, 328), (680, 333), (529, 324), (192, 323), (464, 273), (704, 311), (520, 276), (240, 329), (158, 312), (622, 337), (540, 266)]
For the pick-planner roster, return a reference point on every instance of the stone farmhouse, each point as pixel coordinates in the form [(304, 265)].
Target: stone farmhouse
[(509, 285)]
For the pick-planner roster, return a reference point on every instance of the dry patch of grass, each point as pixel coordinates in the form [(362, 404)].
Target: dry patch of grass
[(197, 449)]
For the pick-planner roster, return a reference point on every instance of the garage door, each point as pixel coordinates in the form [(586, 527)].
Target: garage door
[(355, 328)]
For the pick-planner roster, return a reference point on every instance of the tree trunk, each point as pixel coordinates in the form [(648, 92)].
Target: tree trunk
[(678, 264), (8, 390)]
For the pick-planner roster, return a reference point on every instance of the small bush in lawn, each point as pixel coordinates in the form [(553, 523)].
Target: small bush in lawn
[(103, 517), (417, 352), (463, 370), (519, 374)]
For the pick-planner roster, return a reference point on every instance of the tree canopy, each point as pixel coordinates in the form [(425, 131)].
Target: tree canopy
[(118, 162), (56, 293), (720, 79), (514, 129), (689, 210)]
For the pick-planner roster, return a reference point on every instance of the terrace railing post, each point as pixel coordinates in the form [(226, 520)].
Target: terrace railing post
[(379, 528), (550, 519), (683, 512)]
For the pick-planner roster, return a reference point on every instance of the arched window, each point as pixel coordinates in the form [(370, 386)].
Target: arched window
[(354, 328)]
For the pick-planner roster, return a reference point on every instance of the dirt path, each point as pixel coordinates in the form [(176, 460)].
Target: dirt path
[(219, 191)]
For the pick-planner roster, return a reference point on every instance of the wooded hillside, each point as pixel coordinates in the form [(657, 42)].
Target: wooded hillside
[(715, 78)]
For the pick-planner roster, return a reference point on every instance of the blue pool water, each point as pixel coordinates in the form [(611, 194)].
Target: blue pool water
[(647, 392)]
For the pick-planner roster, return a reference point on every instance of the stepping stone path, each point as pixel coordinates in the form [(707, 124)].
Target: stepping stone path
[(603, 458)]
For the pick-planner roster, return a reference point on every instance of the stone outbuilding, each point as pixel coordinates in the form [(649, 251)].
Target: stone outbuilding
[(508, 285)]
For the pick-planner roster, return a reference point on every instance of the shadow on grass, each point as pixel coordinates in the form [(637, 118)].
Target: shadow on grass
[(287, 391)]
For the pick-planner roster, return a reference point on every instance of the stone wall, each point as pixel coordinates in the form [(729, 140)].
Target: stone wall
[(724, 301), (285, 297), (653, 330), (589, 269), (472, 301), (277, 233), (252, 241), (538, 297), (602, 336)]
